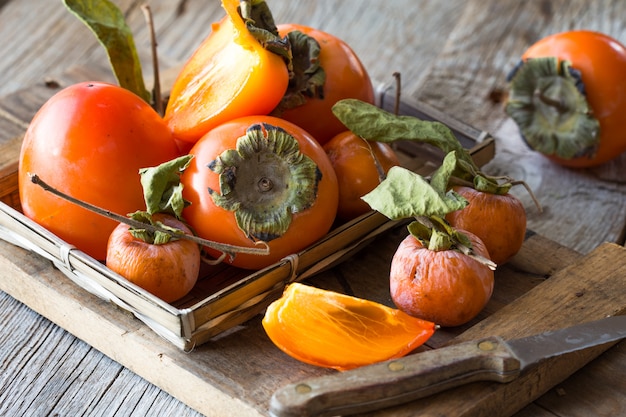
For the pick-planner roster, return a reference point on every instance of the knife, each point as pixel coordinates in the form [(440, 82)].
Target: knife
[(415, 376)]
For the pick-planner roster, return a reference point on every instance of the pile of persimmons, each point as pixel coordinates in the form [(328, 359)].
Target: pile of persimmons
[(268, 138)]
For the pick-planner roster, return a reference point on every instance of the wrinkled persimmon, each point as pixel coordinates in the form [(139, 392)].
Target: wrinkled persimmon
[(333, 330), (166, 270), (499, 220), (360, 166), (443, 286)]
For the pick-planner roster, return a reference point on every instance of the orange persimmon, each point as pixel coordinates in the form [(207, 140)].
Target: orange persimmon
[(444, 286), (311, 96), (167, 270), (230, 75), (499, 220), (333, 330), (360, 166)]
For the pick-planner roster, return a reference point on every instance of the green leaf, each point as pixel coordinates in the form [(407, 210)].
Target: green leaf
[(405, 194), (441, 177), (373, 123), (107, 22), (163, 192)]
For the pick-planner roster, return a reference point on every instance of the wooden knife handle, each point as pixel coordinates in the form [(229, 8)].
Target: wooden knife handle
[(397, 381)]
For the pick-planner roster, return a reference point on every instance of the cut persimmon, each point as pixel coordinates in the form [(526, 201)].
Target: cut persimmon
[(333, 330)]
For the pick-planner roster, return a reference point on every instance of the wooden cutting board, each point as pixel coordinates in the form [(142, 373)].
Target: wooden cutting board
[(237, 373)]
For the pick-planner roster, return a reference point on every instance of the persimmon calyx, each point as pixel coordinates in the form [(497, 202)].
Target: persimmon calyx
[(259, 21), (308, 76), (265, 181), (154, 236), (548, 103)]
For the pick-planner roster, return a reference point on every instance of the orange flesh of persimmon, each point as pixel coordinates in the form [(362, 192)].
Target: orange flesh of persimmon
[(334, 330)]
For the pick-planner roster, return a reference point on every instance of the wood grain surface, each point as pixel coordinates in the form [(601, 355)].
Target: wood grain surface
[(453, 55)]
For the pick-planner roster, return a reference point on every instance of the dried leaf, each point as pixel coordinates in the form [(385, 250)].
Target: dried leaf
[(107, 22)]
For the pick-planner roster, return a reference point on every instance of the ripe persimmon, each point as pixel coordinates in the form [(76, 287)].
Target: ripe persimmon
[(260, 178), (568, 97), (360, 166), (167, 270), (325, 70), (231, 74), (443, 286), (499, 220), (333, 330)]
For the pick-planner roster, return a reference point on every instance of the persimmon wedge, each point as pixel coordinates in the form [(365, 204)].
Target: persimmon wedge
[(333, 330), (230, 75)]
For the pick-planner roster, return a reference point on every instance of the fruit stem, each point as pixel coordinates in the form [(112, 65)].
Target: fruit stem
[(231, 250), (156, 89), (396, 107)]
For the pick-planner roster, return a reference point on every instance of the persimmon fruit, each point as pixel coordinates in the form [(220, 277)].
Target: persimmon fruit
[(360, 166), (260, 178), (333, 330), (89, 141), (166, 270), (309, 99), (446, 287), (499, 220), (568, 97), (230, 75)]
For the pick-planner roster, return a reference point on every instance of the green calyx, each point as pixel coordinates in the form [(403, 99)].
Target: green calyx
[(260, 23), (163, 193), (264, 181), (546, 102), (150, 235), (308, 77)]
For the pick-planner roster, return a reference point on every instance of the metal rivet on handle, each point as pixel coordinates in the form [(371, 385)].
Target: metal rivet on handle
[(303, 389), (486, 345)]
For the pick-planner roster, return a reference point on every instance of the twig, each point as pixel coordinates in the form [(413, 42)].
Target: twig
[(156, 92), (222, 247), (396, 109)]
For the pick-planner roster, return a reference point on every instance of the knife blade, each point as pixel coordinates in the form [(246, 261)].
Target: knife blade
[(422, 374)]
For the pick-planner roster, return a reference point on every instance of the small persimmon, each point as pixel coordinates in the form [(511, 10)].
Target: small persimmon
[(447, 287), (360, 166), (333, 330), (499, 220), (167, 270)]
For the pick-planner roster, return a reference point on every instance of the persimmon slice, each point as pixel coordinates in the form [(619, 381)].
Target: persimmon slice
[(333, 330)]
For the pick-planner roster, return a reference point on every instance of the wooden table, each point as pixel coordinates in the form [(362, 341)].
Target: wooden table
[(453, 55)]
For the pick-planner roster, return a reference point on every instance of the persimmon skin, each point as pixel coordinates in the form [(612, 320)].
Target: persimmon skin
[(498, 220), (168, 271), (334, 330), (230, 75), (355, 162), (346, 77), (89, 141), (446, 287)]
